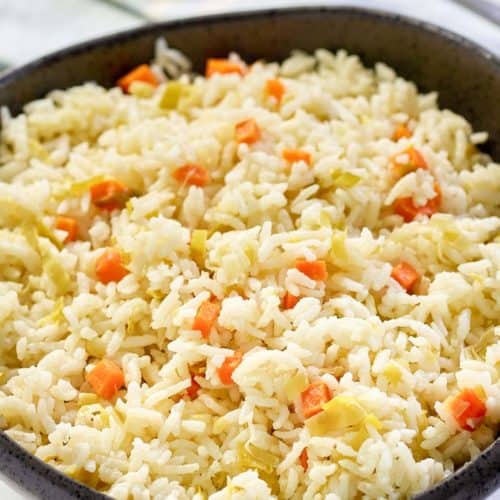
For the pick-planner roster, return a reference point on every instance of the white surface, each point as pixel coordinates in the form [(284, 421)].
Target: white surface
[(30, 28), (11, 491)]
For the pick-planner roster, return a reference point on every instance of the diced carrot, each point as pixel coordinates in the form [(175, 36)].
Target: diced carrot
[(142, 73), (192, 390), (225, 371), (192, 174), (106, 379), (400, 132), (314, 269), (407, 209), (416, 158), (110, 194), (405, 274), (295, 155), (247, 131), (109, 266), (275, 88), (468, 409), (313, 397), (289, 300), (69, 225), (206, 317), (304, 459), (414, 161), (223, 66)]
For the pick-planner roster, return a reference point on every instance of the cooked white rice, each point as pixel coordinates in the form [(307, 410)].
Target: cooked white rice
[(398, 357)]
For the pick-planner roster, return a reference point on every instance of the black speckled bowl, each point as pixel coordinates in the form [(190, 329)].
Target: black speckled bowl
[(466, 76)]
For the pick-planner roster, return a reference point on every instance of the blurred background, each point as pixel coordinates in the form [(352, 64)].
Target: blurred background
[(30, 28)]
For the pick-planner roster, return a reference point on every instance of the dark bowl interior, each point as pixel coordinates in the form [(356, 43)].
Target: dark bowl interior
[(466, 77)]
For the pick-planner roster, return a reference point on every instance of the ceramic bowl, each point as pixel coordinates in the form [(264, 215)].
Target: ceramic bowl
[(466, 77)]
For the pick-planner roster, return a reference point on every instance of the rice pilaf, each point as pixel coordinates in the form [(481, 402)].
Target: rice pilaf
[(272, 281)]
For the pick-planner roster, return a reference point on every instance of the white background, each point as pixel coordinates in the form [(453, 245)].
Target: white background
[(30, 28)]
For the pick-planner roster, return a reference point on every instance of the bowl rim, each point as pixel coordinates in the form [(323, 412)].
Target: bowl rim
[(448, 487), (376, 14)]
